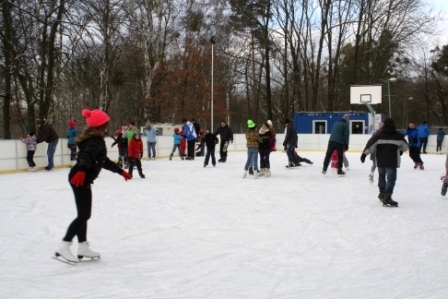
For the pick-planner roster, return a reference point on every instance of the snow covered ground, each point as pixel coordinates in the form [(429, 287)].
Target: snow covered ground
[(190, 232)]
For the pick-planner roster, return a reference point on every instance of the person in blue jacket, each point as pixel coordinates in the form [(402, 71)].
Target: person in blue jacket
[(440, 136), (423, 131), (190, 134), (339, 140), (71, 135), (177, 138), (414, 145)]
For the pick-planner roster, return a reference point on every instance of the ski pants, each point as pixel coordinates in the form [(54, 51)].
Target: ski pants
[(29, 158), (414, 153), (72, 148), (190, 148), (223, 148), (78, 227)]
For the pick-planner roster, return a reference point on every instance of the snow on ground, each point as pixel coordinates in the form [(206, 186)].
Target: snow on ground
[(192, 232)]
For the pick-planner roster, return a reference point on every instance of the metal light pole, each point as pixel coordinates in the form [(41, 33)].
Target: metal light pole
[(392, 79), (212, 41)]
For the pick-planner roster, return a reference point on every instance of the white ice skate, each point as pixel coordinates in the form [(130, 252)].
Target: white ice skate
[(63, 254), (84, 251)]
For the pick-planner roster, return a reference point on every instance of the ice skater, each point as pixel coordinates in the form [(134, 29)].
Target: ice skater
[(210, 141), (92, 157), (445, 178), (388, 145), (30, 142), (135, 153)]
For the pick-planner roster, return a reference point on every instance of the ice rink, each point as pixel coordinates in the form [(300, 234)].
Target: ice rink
[(192, 232)]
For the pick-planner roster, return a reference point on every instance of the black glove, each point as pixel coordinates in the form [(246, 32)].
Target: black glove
[(401, 153), (141, 155), (363, 158)]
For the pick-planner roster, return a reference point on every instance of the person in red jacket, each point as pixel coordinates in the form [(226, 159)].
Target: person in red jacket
[(135, 153), (91, 158)]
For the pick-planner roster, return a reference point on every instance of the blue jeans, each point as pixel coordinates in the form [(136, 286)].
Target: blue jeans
[(389, 174), (151, 147), (252, 158), (50, 153)]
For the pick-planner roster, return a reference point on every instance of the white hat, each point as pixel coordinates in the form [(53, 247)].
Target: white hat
[(270, 123)]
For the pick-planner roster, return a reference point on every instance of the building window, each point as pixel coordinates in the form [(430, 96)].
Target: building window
[(319, 127)]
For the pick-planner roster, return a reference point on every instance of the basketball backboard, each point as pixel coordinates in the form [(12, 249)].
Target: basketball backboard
[(366, 94)]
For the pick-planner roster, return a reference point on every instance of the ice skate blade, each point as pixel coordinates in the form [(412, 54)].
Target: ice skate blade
[(88, 258), (63, 260)]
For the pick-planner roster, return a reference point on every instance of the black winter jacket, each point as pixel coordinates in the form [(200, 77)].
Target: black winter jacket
[(387, 145), (92, 156), (291, 135), (210, 140), (225, 133), (46, 133)]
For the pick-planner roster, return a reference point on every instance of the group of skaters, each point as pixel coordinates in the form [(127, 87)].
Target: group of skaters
[(386, 144)]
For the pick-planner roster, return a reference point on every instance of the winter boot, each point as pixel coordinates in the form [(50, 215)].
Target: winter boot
[(444, 188), (220, 160), (388, 201), (341, 172), (255, 174), (324, 171), (224, 159), (415, 165), (64, 252), (267, 172), (84, 251), (421, 166), (381, 195), (251, 171), (141, 175), (171, 157), (262, 172), (244, 174)]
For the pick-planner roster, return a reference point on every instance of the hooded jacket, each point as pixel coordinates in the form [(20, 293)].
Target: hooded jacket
[(388, 145)]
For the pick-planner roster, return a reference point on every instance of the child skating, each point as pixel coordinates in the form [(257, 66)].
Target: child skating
[(135, 154), (92, 157), (30, 142), (177, 140)]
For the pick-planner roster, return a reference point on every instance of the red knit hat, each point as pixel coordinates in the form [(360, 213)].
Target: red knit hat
[(72, 124), (95, 118)]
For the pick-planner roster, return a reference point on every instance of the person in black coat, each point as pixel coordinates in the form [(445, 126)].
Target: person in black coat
[(210, 141), (226, 135), (388, 145), (92, 157), (48, 134), (290, 142)]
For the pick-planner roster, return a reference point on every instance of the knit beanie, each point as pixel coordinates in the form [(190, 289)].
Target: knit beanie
[(95, 118), (72, 124), (250, 124), (346, 117)]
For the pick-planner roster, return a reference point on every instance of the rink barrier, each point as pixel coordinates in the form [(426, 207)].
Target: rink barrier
[(13, 152)]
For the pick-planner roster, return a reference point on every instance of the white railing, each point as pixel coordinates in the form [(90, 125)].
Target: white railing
[(13, 152)]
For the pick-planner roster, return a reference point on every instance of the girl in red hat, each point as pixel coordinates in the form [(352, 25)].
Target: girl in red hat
[(92, 157)]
